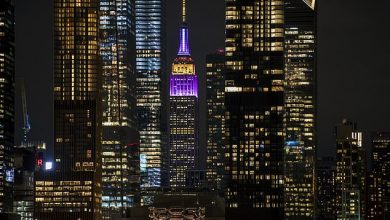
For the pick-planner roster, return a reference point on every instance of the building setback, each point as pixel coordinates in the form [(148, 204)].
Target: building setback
[(73, 189), (183, 114), (152, 91), (7, 94), (300, 40), (120, 136), (215, 98)]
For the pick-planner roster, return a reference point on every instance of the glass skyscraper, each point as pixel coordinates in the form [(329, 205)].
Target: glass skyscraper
[(120, 137), (151, 89), (183, 114), (72, 189), (7, 97), (300, 40), (215, 98), (270, 115), (254, 91)]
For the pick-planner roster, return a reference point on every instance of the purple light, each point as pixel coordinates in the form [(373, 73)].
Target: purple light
[(184, 85), (184, 48)]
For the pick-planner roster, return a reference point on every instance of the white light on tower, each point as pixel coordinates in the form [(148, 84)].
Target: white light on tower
[(48, 165)]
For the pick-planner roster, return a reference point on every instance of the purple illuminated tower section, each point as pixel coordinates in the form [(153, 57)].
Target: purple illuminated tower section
[(183, 116)]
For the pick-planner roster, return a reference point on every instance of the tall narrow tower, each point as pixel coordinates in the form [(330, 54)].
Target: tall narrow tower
[(152, 97), (120, 178), (300, 40), (7, 97), (183, 118)]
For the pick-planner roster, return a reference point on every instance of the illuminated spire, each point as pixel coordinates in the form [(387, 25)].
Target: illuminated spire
[(184, 15), (184, 49)]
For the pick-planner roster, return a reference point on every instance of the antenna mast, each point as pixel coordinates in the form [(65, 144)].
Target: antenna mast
[(184, 5)]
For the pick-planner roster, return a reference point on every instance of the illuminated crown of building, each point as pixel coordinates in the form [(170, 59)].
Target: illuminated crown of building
[(311, 3), (184, 81)]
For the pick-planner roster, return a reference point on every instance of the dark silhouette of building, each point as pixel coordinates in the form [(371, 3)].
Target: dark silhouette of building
[(350, 172), (26, 162), (326, 188), (7, 99), (374, 197), (72, 189), (379, 188), (215, 98)]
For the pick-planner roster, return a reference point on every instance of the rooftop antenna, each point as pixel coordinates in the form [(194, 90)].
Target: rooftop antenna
[(184, 5)]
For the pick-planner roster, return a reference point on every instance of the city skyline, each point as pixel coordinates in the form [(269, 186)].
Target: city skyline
[(352, 97), (271, 109)]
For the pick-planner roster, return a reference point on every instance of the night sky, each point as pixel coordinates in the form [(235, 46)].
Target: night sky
[(353, 60)]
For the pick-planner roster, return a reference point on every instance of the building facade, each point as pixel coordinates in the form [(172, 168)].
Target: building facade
[(120, 135), (350, 172), (25, 166), (254, 91), (300, 40), (380, 146), (72, 190), (151, 90), (184, 113), (7, 94), (215, 98), (326, 188), (374, 196)]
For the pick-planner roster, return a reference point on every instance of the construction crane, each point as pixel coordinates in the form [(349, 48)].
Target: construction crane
[(26, 120)]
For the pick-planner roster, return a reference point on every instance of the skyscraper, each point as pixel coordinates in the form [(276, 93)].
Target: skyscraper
[(215, 97), (300, 41), (254, 89), (7, 97), (350, 172), (151, 90), (73, 189), (183, 115), (120, 136), (25, 166), (380, 144), (326, 188), (374, 197)]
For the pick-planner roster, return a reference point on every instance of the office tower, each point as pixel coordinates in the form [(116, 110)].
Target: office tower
[(374, 197), (325, 186), (350, 172), (380, 145), (151, 90), (300, 40), (72, 190), (25, 165), (120, 135), (183, 115), (7, 96), (215, 98), (254, 91)]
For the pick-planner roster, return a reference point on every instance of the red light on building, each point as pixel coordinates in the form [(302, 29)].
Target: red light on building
[(39, 162)]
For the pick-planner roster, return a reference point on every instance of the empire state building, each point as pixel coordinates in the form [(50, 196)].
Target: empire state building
[(183, 116)]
